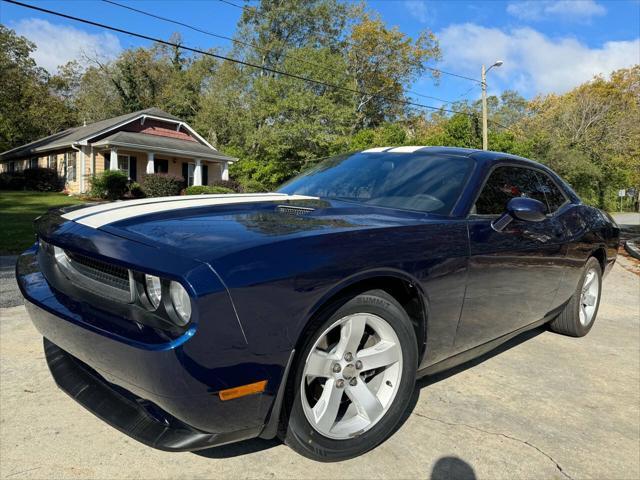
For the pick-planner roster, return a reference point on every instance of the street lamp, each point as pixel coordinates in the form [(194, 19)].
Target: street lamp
[(485, 141)]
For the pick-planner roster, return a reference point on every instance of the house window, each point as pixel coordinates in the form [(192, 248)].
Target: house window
[(127, 164), (12, 167), (161, 166), (123, 163), (51, 161), (33, 162), (191, 170), (71, 167)]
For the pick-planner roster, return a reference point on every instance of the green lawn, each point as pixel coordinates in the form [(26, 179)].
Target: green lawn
[(17, 211)]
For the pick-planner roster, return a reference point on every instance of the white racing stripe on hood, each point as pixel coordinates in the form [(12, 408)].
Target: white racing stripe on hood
[(100, 215), (103, 207)]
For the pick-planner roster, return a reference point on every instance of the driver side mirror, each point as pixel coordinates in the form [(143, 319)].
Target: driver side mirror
[(520, 208)]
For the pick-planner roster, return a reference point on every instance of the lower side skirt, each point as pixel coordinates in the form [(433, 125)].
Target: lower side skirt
[(475, 352)]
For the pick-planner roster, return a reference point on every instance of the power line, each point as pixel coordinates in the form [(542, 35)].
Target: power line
[(222, 57), (465, 93), (429, 96), (256, 47), (216, 35), (244, 63), (459, 98), (433, 69)]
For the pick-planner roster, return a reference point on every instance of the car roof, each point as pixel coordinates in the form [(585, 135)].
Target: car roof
[(481, 156), (423, 149)]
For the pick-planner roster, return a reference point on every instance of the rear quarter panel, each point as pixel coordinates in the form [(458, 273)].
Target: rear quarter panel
[(588, 231)]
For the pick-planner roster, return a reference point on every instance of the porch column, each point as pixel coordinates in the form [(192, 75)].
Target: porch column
[(83, 169), (197, 173), (150, 165), (225, 171), (81, 177), (113, 159)]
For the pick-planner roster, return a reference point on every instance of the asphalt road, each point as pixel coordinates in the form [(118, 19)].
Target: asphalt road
[(542, 406), (9, 293)]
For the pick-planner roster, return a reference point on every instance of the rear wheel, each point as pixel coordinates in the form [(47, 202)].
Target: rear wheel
[(354, 379), (579, 314)]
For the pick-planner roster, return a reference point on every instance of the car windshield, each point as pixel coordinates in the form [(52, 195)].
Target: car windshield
[(413, 181)]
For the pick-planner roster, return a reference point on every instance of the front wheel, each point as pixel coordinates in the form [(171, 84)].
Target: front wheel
[(579, 314), (354, 379)]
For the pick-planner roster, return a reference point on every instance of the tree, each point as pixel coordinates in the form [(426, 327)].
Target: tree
[(278, 125), (223, 112), (287, 122), (294, 122), (160, 76), (28, 107), (382, 62), (96, 98), (271, 29), (591, 135)]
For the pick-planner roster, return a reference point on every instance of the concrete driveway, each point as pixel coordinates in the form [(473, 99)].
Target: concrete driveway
[(542, 406)]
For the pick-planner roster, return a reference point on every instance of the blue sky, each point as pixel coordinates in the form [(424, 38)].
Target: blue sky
[(547, 46)]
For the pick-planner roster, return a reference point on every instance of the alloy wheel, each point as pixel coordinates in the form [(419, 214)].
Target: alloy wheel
[(351, 376), (589, 297)]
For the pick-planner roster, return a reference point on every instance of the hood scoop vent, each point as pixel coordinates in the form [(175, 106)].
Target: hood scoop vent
[(293, 211)]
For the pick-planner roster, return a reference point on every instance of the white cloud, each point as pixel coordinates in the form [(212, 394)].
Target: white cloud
[(575, 10), (533, 62), (57, 44), (418, 10)]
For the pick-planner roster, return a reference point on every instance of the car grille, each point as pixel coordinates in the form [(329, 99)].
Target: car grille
[(102, 272), (90, 274)]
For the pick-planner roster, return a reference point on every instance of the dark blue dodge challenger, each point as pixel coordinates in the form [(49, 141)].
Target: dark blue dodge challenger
[(190, 322)]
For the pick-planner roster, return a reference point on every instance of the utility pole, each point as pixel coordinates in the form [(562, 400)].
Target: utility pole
[(485, 140)]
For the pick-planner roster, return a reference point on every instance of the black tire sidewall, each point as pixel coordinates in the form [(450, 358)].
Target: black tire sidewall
[(301, 436)]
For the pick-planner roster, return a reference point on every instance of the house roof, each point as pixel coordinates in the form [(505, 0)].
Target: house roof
[(160, 145), (78, 134)]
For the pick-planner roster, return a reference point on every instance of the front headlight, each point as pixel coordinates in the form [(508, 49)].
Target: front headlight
[(181, 302), (154, 289)]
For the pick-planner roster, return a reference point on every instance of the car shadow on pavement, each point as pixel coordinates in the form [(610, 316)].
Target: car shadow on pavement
[(446, 467), (437, 377)]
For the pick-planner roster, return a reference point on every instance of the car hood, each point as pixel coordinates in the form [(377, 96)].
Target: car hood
[(207, 227)]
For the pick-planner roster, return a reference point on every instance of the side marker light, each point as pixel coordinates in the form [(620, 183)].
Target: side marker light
[(242, 391)]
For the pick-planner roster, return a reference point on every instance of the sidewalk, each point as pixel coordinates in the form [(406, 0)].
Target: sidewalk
[(626, 218)]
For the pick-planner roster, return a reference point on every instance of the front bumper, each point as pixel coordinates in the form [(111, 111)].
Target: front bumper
[(162, 392), (128, 413)]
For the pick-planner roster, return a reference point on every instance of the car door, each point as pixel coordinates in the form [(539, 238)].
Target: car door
[(514, 273)]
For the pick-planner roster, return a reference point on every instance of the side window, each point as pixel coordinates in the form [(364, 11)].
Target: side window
[(555, 197), (505, 183)]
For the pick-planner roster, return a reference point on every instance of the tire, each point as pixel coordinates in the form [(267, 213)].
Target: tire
[(392, 385), (571, 321)]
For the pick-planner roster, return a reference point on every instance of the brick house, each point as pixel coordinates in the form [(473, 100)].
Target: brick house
[(147, 141)]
